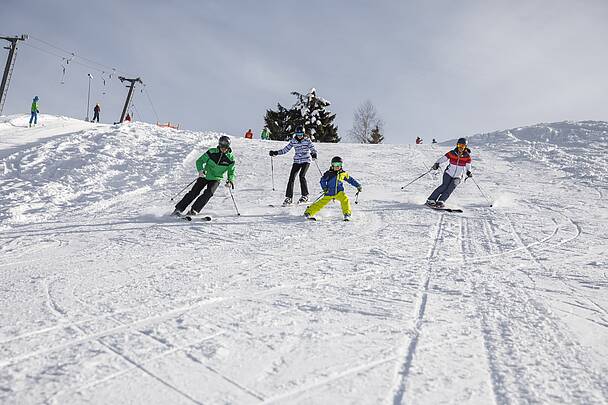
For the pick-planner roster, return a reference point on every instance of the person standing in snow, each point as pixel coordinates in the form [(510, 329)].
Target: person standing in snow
[(459, 160), (249, 134), (305, 152), (265, 135), (211, 167), (418, 140), (434, 141), (34, 111), (333, 189), (96, 111)]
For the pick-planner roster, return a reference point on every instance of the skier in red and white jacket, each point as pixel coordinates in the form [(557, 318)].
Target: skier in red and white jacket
[(459, 165)]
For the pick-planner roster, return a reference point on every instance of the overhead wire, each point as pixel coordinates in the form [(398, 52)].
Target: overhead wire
[(72, 58)]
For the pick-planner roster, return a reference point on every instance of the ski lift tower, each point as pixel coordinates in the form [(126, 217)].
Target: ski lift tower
[(10, 64), (129, 96)]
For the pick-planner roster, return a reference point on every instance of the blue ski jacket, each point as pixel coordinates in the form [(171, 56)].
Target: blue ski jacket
[(332, 182)]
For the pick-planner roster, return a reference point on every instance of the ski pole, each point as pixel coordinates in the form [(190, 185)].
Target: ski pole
[(319, 197), (272, 171), (357, 197), (318, 168), (484, 196), (234, 202), (423, 174), (180, 191)]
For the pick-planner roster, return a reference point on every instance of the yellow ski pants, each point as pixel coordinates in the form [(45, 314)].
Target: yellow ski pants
[(317, 206)]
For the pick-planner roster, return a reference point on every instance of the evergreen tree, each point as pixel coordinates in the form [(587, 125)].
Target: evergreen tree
[(278, 123), (376, 136), (311, 113)]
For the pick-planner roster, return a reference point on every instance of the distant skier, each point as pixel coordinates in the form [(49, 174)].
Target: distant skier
[(265, 135), (434, 141), (128, 117), (96, 111), (211, 167), (34, 110), (459, 164), (305, 152), (333, 189), (249, 134), (418, 140)]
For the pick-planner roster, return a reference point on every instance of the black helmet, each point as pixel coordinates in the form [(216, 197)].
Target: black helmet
[(299, 130), (336, 159), (224, 141), (462, 141)]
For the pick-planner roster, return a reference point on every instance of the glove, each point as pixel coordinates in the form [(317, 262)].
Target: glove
[(359, 189), (325, 190), (313, 155), (273, 153), (230, 184), (201, 173), (469, 174), (435, 166)]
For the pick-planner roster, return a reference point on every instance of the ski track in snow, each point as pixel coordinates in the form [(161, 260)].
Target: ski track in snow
[(401, 305)]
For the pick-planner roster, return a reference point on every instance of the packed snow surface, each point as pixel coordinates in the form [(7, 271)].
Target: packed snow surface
[(106, 299)]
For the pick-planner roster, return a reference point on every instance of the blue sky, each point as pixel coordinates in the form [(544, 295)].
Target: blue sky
[(439, 69)]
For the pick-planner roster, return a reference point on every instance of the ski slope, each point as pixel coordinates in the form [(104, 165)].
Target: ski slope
[(105, 299)]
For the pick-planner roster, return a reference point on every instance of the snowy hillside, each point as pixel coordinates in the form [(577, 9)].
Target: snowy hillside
[(105, 299)]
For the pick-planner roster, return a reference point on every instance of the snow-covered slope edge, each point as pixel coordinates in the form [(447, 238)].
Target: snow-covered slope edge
[(576, 149)]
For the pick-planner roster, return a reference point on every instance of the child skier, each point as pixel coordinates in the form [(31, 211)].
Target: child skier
[(305, 152), (459, 164), (333, 189), (211, 167)]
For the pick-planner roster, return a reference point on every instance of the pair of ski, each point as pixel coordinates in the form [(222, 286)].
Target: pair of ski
[(436, 208), (190, 218)]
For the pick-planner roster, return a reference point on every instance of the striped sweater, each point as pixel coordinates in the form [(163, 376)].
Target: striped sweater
[(303, 149)]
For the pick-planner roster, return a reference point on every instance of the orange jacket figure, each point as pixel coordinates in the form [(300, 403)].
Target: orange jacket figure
[(249, 134)]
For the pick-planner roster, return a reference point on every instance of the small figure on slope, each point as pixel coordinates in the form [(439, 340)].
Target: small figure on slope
[(249, 134), (418, 140), (265, 135), (459, 164), (211, 167), (305, 152), (333, 189), (96, 111), (34, 111)]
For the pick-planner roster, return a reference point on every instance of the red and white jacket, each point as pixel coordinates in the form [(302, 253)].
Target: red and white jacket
[(459, 163)]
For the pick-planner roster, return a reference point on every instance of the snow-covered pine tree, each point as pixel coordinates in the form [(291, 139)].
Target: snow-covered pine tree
[(278, 123), (310, 111), (376, 136)]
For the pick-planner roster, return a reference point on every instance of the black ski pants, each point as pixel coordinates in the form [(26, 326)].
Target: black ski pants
[(443, 192), (302, 168), (195, 191), (95, 116)]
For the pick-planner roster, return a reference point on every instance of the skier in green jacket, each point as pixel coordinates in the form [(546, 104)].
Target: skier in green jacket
[(211, 167), (34, 111), (265, 135)]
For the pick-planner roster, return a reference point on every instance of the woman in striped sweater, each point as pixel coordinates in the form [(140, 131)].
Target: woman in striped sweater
[(305, 152)]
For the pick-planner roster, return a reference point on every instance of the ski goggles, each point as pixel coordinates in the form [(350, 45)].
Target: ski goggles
[(336, 164), (299, 134), (461, 145)]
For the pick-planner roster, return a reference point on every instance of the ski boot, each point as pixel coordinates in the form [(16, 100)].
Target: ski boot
[(303, 199), (309, 217), (176, 213), (430, 203), (439, 204), (346, 217), (191, 213), (287, 202)]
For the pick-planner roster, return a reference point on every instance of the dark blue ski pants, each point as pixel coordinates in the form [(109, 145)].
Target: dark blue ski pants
[(442, 193)]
